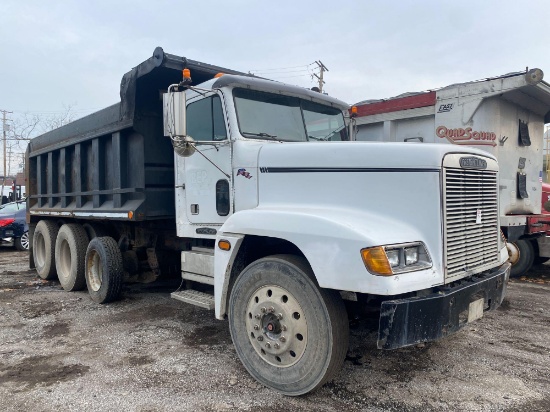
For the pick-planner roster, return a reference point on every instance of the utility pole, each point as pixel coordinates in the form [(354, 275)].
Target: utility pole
[(322, 70), (4, 129), (10, 152)]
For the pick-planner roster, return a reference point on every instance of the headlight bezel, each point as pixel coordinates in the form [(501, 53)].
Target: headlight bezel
[(423, 262)]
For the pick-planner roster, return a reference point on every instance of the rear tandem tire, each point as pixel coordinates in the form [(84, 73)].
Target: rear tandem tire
[(70, 255), (290, 334), (104, 269), (43, 244), (526, 258)]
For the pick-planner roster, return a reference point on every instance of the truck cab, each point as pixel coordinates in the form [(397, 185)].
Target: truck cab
[(268, 170)]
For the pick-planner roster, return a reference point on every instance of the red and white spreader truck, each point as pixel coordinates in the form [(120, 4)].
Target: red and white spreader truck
[(503, 116)]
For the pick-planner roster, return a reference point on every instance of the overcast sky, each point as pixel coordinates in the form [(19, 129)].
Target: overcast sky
[(73, 53)]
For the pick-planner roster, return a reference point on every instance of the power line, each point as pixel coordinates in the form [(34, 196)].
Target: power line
[(284, 72), (288, 77), (280, 68)]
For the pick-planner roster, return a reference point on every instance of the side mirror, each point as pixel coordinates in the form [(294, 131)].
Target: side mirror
[(174, 114), (175, 122)]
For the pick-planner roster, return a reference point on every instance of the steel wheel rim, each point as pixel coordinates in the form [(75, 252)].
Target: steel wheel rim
[(276, 326), (25, 240), (40, 250), (94, 271), (64, 260)]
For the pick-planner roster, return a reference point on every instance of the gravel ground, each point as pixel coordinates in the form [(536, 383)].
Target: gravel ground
[(60, 351)]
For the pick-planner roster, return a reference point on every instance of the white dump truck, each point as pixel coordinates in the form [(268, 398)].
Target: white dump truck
[(251, 190), (503, 116)]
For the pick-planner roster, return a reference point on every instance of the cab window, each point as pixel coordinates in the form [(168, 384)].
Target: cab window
[(205, 120)]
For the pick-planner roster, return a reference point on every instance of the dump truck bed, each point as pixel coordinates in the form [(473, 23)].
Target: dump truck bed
[(115, 163)]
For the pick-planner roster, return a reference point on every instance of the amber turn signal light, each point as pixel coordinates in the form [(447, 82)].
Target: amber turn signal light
[(376, 261), (224, 245)]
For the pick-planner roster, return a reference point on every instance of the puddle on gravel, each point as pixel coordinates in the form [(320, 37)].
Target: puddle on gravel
[(209, 335), (39, 371), (57, 329), (146, 313), (32, 310), (138, 360)]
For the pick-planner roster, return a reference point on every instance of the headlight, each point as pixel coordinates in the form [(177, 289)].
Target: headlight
[(395, 259), (411, 255)]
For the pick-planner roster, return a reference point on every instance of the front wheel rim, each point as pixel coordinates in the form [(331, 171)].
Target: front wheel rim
[(276, 326)]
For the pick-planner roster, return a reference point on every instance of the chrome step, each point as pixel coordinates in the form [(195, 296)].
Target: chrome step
[(198, 266), (195, 277), (194, 297), (205, 250)]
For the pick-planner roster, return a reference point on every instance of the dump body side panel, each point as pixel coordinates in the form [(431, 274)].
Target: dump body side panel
[(115, 163)]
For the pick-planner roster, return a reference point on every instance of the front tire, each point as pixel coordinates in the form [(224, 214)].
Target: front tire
[(70, 255), (104, 269), (43, 244), (525, 260), (291, 335)]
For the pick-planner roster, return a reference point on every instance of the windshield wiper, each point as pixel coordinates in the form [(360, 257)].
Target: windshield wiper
[(272, 137), (328, 136), (318, 138)]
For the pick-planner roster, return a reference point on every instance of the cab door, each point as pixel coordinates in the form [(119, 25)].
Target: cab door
[(208, 170)]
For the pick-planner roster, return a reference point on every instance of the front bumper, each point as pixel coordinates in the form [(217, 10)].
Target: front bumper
[(409, 321)]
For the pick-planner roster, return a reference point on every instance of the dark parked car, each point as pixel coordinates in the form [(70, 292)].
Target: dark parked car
[(13, 224)]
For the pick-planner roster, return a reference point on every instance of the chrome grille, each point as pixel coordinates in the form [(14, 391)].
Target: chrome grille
[(471, 244)]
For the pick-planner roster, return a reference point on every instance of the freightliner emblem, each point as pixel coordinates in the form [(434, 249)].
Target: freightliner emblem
[(472, 163)]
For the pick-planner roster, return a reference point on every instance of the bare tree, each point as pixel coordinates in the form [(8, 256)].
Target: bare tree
[(60, 119), (26, 126)]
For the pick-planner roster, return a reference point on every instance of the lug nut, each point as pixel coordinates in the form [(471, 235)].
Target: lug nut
[(256, 327), (276, 346), (271, 309), (260, 338), (263, 310), (258, 316), (268, 345), (279, 316), (283, 327), (282, 339)]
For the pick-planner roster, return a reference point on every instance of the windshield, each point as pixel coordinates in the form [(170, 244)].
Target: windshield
[(270, 116)]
